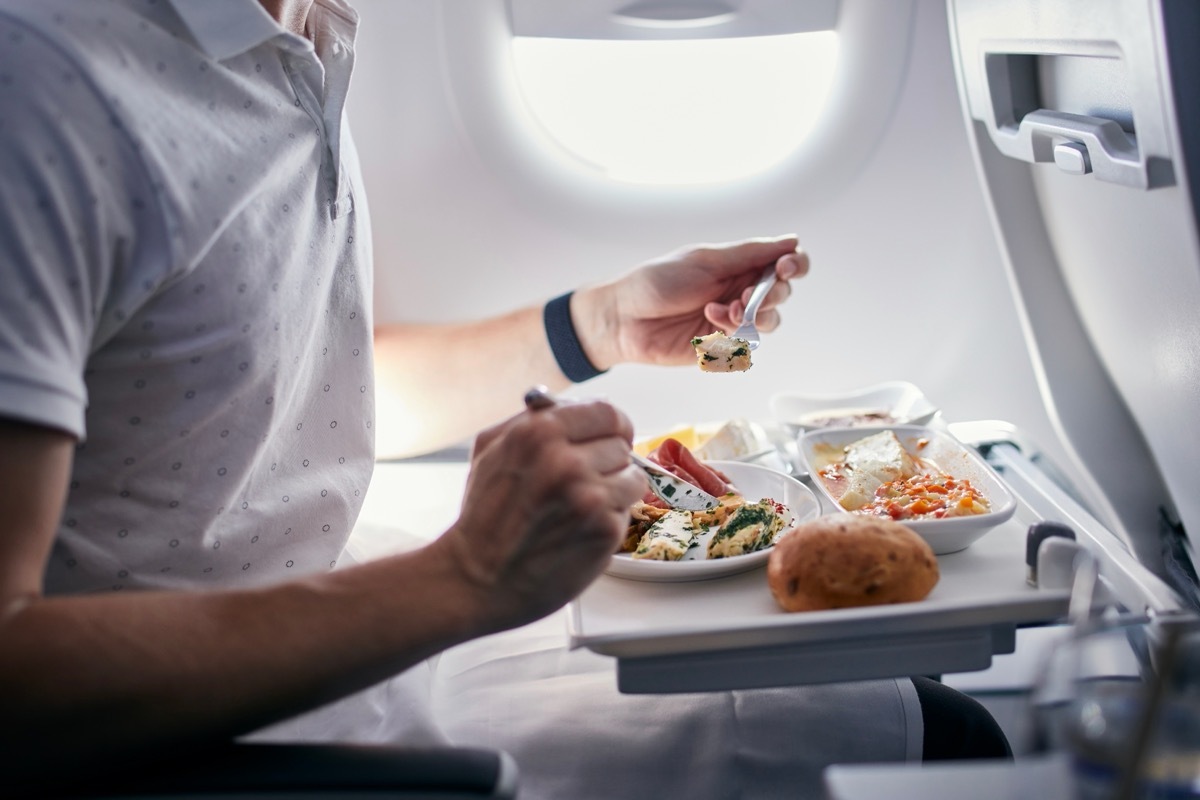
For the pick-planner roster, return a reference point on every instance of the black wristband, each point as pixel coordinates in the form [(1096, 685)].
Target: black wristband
[(564, 342)]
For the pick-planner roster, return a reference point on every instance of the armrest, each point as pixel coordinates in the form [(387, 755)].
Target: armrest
[(314, 770)]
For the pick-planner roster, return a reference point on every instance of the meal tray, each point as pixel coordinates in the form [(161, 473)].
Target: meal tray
[(728, 633)]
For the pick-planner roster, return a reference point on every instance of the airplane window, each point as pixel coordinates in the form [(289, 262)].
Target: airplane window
[(678, 111)]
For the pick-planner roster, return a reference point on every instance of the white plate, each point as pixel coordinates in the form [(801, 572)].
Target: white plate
[(904, 401), (944, 451), (754, 482)]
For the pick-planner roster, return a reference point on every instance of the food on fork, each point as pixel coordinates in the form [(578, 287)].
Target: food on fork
[(717, 352), (844, 561)]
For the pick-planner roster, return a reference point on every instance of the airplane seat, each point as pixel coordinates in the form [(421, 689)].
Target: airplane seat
[(298, 771), (1082, 122)]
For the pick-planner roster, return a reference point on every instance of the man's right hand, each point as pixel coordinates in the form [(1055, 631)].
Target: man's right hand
[(546, 505)]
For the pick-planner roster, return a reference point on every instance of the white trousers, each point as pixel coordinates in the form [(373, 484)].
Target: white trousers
[(575, 737)]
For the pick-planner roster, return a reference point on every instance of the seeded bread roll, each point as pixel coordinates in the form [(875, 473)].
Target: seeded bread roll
[(844, 560)]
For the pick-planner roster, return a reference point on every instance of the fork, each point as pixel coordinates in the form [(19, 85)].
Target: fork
[(747, 331), (670, 488)]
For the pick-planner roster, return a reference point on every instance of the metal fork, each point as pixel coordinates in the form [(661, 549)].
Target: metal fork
[(747, 330), (671, 489)]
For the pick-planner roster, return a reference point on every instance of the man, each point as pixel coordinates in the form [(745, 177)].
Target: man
[(187, 400), (187, 414)]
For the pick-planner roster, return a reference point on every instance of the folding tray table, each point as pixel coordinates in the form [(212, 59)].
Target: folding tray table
[(728, 633)]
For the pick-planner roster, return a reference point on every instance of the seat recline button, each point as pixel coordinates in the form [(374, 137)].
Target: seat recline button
[(1072, 158)]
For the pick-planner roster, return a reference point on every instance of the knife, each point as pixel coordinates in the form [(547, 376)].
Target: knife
[(673, 490)]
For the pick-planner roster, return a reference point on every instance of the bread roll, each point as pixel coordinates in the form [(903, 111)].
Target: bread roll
[(845, 560)]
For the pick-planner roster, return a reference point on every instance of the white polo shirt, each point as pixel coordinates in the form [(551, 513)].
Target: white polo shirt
[(185, 284)]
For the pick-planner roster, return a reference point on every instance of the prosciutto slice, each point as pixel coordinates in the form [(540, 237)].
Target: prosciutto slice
[(674, 457)]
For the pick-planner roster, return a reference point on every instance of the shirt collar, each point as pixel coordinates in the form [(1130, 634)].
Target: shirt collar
[(226, 28)]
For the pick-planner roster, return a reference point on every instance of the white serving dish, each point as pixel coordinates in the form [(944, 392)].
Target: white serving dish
[(754, 482), (819, 448), (902, 400)]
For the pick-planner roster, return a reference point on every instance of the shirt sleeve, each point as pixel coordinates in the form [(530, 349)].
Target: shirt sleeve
[(69, 180)]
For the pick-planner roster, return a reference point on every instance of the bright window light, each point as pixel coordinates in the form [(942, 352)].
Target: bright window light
[(678, 111)]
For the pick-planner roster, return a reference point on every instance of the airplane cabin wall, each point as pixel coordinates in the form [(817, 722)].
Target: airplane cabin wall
[(906, 281)]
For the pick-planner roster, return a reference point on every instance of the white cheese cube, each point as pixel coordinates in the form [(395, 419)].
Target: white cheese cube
[(734, 439)]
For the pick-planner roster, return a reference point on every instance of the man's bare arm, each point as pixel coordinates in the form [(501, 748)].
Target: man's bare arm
[(436, 385), (92, 675), (92, 678)]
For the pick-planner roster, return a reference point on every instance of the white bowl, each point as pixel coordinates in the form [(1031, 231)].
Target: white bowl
[(754, 482), (902, 400), (820, 447)]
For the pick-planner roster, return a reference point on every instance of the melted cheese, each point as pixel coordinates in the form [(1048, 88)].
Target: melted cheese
[(871, 462)]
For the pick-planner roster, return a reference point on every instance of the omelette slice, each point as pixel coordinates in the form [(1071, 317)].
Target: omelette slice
[(750, 527), (717, 352), (668, 538)]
